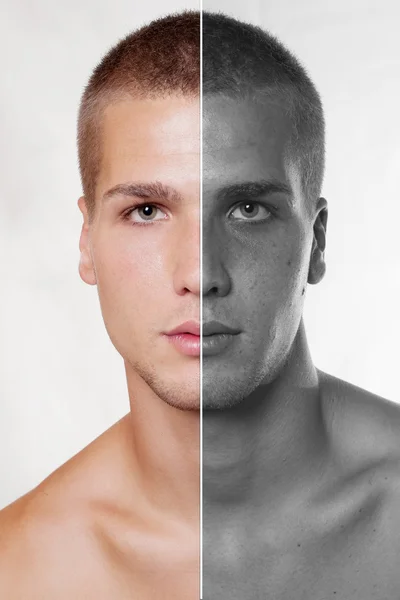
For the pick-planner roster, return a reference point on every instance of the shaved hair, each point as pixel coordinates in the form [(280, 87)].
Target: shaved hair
[(239, 60), (158, 60), (244, 61)]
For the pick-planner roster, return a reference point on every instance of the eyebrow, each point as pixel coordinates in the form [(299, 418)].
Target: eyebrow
[(255, 189), (153, 190)]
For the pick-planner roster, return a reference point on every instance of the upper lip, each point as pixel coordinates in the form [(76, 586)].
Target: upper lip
[(215, 327), (192, 327)]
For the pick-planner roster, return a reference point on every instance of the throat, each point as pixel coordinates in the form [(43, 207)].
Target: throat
[(266, 447)]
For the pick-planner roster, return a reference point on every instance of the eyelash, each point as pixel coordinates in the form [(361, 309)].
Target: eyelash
[(269, 208), (126, 215)]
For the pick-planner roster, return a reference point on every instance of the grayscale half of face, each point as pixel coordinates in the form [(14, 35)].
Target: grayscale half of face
[(258, 232)]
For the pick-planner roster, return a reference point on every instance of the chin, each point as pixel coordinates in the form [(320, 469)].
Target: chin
[(183, 395), (177, 386), (225, 394), (189, 406), (181, 401), (231, 387)]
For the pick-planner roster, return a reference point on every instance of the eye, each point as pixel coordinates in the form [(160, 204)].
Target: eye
[(146, 213), (250, 211)]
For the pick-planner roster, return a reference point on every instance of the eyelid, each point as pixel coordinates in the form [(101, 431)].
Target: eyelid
[(140, 204), (268, 207)]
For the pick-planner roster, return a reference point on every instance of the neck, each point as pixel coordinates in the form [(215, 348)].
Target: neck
[(271, 443), (166, 447)]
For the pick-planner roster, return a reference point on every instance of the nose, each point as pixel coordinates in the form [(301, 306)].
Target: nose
[(215, 277), (187, 259)]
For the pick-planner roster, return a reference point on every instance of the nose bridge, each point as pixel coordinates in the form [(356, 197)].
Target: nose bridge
[(187, 255), (215, 277)]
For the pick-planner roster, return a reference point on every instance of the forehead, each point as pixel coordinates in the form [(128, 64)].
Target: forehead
[(144, 138), (245, 140)]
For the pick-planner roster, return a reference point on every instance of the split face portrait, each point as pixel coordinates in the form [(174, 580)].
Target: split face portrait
[(241, 471)]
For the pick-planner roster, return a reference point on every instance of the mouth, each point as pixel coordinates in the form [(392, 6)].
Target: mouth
[(186, 338), (217, 328), (188, 327), (217, 337)]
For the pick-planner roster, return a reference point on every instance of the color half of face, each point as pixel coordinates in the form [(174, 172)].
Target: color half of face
[(144, 243), (257, 243)]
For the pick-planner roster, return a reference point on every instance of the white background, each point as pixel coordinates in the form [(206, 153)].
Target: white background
[(351, 49), (61, 381)]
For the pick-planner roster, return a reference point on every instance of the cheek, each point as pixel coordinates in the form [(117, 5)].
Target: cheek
[(272, 271), (131, 273)]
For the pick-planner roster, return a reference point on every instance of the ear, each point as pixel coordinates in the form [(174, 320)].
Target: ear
[(86, 266), (317, 266)]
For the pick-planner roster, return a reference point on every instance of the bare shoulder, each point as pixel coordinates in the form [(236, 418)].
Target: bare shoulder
[(364, 432), (369, 423), (51, 538), (40, 542), (363, 480)]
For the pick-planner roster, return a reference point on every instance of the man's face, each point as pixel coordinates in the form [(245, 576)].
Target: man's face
[(257, 241), (142, 249)]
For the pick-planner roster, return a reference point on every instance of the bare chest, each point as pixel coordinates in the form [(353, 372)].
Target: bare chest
[(357, 561), (106, 582)]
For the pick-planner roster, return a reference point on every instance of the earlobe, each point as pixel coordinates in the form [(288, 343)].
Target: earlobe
[(317, 266), (86, 268)]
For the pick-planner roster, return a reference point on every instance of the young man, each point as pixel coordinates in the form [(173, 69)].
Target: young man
[(301, 471), (121, 519)]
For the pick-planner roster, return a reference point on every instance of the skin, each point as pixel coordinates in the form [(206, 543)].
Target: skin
[(301, 471), (121, 519), (301, 485), (280, 248)]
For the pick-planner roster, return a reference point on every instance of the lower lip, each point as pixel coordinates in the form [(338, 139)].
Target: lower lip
[(186, 343), (217, 343)]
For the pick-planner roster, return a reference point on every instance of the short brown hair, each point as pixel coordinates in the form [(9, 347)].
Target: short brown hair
[(157, 60)]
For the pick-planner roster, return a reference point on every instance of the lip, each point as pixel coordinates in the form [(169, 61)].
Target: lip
[(186, 338), (217, 328), (217, 337), (191, 327)]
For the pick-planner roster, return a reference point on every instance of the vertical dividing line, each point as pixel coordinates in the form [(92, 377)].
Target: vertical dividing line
[(201, 299)]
